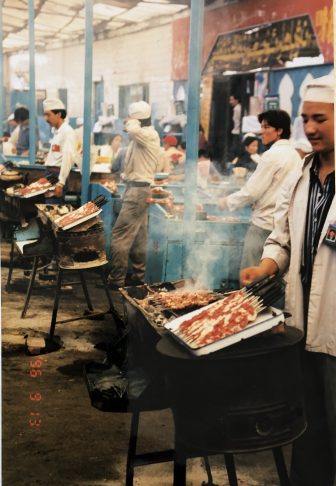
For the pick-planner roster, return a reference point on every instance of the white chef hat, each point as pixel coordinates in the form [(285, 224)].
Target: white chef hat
[(11, 117), (320, 89), (303, 144), (139, 110), (53, 104)]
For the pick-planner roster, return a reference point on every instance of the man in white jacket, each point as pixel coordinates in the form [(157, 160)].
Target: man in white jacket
[(62, 152), (305, 211), (262, 188), (129, 234)]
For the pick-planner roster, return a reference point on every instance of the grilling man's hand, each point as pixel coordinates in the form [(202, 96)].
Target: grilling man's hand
[(58, 190)]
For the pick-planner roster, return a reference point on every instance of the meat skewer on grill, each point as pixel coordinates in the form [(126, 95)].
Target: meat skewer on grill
[(232, 314)]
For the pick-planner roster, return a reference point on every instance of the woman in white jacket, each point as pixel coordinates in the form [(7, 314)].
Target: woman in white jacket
[(305, 210)]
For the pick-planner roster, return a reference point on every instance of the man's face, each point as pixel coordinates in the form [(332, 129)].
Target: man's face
[(269, 134), (318, 121), (52, 118), (233, 101)]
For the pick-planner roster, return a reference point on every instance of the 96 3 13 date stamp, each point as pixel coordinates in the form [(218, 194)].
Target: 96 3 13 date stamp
[(35, 396)]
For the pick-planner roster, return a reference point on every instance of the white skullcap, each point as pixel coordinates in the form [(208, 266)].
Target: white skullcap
[(303, 144), (53, 104), (320, 90), (139, 110), (79, 121), (11, 117)]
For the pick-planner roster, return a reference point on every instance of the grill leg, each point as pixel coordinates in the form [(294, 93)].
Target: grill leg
[(104, 280), (55, 307), (208, 471), (30, 286), (132, 448), (231, 469), (11, 265), (85, 290), (281, 466), (180, 469)]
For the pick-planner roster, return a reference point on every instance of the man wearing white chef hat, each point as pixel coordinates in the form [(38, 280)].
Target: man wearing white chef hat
[(304, 216), (62, 151), (129, 234)]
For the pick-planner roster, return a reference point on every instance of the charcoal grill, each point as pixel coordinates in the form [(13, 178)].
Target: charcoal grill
[(247, 397), (83, 248)]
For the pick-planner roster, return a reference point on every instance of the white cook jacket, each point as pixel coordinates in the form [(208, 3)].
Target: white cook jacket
[(62, 151), (262, 188), (284, 245)]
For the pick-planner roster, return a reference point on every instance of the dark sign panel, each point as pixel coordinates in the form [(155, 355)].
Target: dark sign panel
[(269, 45)]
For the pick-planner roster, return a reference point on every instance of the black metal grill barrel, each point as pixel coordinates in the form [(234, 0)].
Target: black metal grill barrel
[(82, 248), (247, 397)]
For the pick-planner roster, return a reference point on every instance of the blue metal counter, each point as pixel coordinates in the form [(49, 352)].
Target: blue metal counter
[(215, 256)]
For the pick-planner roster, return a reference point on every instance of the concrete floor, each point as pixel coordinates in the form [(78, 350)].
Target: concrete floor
[(76, 444)]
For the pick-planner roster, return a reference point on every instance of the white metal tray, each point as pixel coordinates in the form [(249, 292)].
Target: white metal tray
[(75, 223), (267, 319), (37, 193)]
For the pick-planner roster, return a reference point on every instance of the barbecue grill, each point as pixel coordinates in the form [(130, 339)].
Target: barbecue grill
[(247, 397)]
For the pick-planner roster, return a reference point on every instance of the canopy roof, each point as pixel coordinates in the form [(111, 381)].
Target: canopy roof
[(62, 22)]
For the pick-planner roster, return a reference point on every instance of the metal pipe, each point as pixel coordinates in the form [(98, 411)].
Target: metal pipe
[(193, 113), (2, 104), (87, 100), (32, 96)]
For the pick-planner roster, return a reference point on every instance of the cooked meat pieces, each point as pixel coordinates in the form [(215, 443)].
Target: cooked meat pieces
[(85, 210)]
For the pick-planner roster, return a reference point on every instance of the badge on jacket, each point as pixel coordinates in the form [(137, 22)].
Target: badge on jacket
[(55, 148), (330, 237)]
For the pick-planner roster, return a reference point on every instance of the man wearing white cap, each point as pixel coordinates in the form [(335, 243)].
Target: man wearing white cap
[(305, 213), (129, 234), (62, 147)]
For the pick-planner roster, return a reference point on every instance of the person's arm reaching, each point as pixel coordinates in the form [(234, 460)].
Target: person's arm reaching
[(267, 266)]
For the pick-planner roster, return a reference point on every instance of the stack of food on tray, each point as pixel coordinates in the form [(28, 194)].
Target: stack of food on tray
[(160, 196), (236, 312), (87, 211), (40, 186)]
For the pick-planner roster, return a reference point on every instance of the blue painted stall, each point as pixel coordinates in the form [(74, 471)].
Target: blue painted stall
[(215, 252)]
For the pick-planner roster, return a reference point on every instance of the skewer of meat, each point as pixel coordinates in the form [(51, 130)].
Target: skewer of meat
[(225, 318)]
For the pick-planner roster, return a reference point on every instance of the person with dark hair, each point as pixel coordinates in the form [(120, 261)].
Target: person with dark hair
[(250, 158), (304, 214), (129, 234), (234, 102), (262, 188), (21, 116), (62, 151)]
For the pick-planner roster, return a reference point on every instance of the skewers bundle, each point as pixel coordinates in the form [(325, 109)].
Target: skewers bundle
[(230, 315), (43, 184), (79, 214)]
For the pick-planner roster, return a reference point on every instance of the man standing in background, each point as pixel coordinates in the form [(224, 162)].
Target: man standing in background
[(62, 152), (129, 234), (234, 101), (262, 188)]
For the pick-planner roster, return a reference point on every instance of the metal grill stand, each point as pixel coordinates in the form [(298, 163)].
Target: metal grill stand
[(244, 399), (59, 281)]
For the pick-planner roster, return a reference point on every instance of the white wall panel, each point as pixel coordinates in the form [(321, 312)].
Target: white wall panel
[(142, 57)]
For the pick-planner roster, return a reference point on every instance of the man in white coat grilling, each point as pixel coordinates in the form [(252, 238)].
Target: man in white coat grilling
[(305, 212)]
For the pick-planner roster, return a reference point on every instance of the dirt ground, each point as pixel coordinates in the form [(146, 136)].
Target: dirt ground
[(51, 435)]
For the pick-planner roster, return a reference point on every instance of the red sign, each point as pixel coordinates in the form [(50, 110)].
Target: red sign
[(249, 14)]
